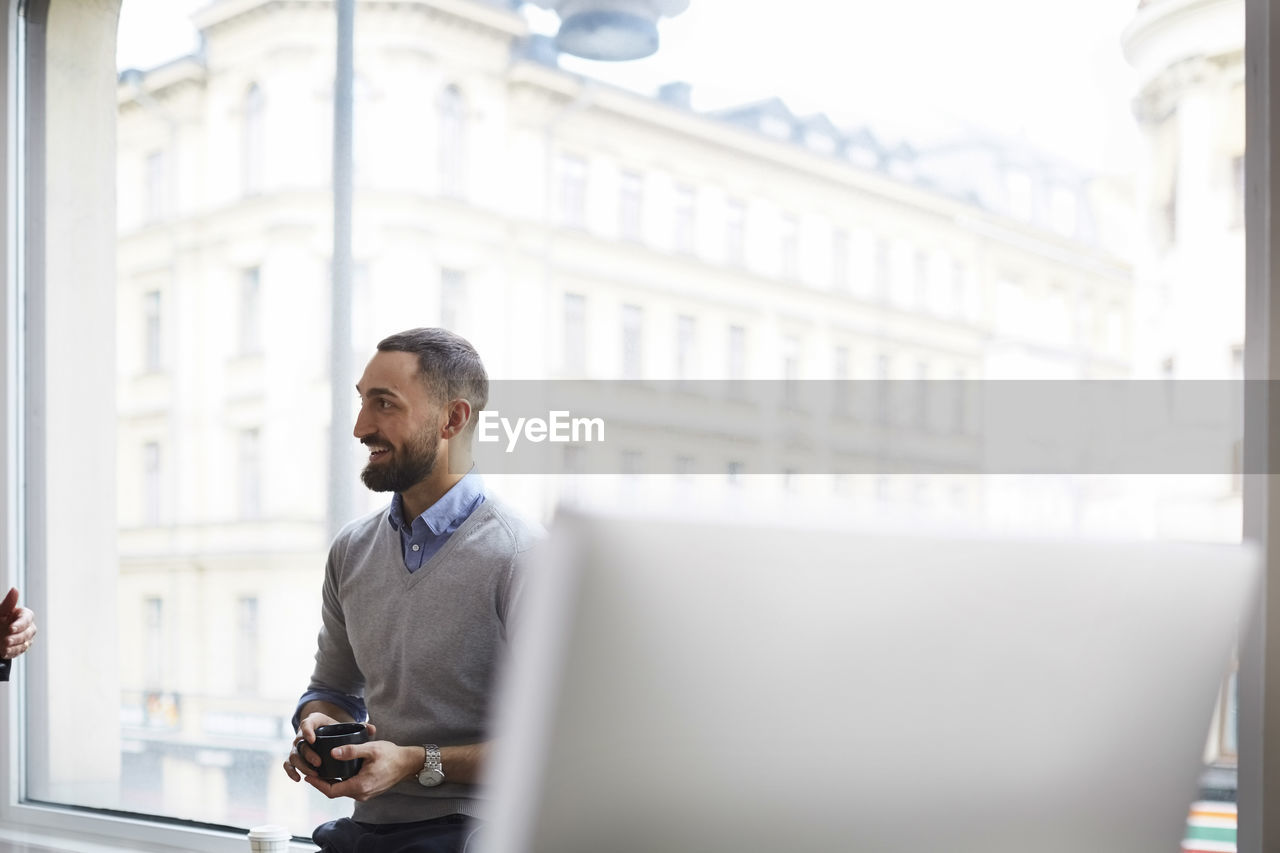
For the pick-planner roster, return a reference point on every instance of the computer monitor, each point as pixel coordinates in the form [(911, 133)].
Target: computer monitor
[(730, 688)]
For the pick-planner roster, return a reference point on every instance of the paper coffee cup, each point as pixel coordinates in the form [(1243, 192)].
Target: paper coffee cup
[(269, 839)]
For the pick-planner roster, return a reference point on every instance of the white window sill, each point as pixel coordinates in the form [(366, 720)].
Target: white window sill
[(14, 840)]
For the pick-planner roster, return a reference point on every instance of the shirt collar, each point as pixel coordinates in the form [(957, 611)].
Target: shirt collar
[(453, 506)]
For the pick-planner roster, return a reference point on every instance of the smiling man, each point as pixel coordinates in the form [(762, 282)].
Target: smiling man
[(416, 604)]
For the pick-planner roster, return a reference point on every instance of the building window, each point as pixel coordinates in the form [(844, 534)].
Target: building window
[(840, 383), (960, 400), (247, 646), (791, 368), (151, 483), (1167, 216), (453, 299), (632, 341), (902, 274), (883, 268), (789, 247), (685, 466), (452, 142), (920, 397), (571, 184), (156, 176), (631, 463), (1018, 192), (684, 222), (249, 312), (1012, 315), (1116, 329), (959, 289), (152, 332), (631, 206), (884, 368), (249, 469), (153, 667), (1062, 211), (575, 334), (686, 347), (253, 142), (921, 270), (840, 259), (737, 363), (735, 233)]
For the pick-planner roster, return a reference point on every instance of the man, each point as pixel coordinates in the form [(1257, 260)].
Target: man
[(18, 625), (416, 600)]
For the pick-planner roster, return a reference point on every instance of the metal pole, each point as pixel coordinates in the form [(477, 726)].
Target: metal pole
[(341, 470)]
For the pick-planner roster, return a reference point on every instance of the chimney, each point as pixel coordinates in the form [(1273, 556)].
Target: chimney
[(677, 93)]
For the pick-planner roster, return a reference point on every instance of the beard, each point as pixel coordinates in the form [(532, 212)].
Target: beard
[(406, 467)]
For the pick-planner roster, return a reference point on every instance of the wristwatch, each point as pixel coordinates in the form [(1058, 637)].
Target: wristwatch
[(432, 773)]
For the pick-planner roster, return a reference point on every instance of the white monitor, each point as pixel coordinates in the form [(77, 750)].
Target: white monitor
[(730, 688)]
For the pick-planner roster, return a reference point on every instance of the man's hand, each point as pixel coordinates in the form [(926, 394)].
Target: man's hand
[(302, 761), (18, 626), (385, 764)]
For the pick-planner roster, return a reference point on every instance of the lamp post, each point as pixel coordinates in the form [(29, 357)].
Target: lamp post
[(341, 468), (611, 30)]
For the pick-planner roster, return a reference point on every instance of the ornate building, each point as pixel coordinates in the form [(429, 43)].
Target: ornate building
[(571, 230)]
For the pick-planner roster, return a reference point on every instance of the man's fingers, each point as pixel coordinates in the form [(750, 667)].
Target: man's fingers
[(349, 751), (326, 788), (23, 628), (22, 619), (20, 636), (10, 602), (298, 766), (307, 754)]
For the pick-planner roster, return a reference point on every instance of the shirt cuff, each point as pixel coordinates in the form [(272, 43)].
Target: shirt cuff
[(353, 705)]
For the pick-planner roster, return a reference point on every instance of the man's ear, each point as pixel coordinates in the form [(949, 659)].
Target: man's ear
[(459, 412)]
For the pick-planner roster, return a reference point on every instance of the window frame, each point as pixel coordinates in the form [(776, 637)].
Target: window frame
[(1259, 675), (23, 38)]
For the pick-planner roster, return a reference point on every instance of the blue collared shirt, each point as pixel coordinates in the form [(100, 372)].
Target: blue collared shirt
[(422, 538)]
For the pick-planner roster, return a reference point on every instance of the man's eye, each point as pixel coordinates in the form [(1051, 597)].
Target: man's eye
[(384, 404)]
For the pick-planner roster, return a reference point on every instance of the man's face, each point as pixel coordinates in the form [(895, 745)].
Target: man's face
[(398, 422)]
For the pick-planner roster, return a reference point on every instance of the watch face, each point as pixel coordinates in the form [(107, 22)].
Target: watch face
[(430, 777)]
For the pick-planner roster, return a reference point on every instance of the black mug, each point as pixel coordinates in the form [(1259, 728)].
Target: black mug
[(339, 734)]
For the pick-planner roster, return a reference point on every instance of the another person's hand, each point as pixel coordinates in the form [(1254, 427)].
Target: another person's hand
[(18, 626), (385, 765), (302, 761)]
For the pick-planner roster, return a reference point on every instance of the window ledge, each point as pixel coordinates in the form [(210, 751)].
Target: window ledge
[(13, 840)]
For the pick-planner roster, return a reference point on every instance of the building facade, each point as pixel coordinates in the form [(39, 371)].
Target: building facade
[(571, 230), (1189, 278)]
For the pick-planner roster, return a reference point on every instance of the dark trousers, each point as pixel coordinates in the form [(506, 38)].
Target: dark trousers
[(449, 834)]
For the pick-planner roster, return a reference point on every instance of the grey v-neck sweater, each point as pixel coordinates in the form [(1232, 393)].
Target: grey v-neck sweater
[(421, 648)]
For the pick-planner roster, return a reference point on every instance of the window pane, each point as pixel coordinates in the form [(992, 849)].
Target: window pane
[(1083, 225)]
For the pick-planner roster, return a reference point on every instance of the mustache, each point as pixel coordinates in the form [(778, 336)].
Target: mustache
[(374, 439)]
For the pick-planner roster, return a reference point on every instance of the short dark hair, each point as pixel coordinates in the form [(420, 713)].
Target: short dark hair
[(448, 364)]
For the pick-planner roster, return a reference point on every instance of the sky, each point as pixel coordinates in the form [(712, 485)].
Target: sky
[(1047, 71)]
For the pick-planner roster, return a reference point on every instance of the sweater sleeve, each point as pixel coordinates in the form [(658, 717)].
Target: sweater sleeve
[(336, 671)]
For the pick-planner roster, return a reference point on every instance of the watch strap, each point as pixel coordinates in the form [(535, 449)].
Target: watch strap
[(431, 759)]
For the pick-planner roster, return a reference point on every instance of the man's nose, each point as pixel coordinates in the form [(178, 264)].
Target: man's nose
[(364, 425)]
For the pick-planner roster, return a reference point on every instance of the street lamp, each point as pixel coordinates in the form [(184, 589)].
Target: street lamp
[(611, 30)]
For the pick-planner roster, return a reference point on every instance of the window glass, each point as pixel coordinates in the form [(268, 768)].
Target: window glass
[(453, 142), (959, 224)]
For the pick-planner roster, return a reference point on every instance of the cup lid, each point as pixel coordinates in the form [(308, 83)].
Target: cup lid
[(270, 832)]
